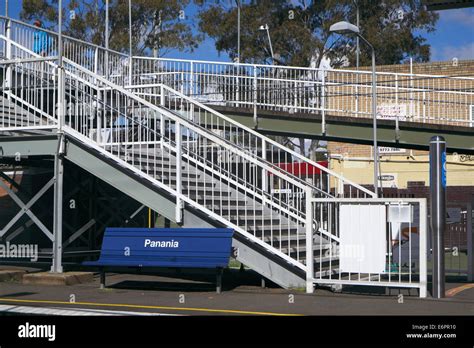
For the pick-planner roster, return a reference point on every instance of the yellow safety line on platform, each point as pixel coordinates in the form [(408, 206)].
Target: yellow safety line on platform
[(147, 307), (455, 291)]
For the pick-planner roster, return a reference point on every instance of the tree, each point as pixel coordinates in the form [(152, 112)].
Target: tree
[(159, 25), (300, 30)]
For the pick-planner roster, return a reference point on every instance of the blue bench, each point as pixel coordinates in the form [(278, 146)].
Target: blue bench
[(165, 247)]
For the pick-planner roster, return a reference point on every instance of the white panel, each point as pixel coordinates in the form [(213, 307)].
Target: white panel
[(400, 213), (363, 238)]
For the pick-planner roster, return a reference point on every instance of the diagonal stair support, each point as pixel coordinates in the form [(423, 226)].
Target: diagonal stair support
[(26, 208)]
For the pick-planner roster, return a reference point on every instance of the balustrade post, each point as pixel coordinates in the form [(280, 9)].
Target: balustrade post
[(162, 118), (470, 240), (96, 60), (255, 115), (309, 242), (323, 102), (191, 80), (8, 77), (264, 171), (179, 201)]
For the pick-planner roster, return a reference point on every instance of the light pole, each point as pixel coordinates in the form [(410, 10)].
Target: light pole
[(107, 24), (60, 34), (345, 28), (238, 30), (356, 3), (107, 39), (265, 28)]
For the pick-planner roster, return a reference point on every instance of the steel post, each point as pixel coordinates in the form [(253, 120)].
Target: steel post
[(470, 238), (58, 214), (309, 243), (438, 211)]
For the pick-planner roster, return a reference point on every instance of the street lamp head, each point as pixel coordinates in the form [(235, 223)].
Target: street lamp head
[(263, 27), (344, 28)]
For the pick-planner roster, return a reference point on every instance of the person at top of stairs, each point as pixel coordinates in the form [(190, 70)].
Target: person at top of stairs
[(42, 42)]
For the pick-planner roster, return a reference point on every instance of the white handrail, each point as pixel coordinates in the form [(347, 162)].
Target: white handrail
[(270, 66)]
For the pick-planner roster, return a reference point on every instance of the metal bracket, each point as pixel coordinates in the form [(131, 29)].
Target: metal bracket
[(179, 211), (397, 130), (61, 145)]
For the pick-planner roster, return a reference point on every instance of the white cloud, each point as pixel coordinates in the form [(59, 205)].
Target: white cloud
[(459, 52), (460, 16)]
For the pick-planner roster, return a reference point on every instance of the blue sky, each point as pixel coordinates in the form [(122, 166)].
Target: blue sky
[(453, 38)]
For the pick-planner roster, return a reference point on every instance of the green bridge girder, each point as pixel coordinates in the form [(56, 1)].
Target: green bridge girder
[(411, 135)]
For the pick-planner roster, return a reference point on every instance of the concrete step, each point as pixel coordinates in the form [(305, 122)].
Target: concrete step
[(251, 218), (295, 240), (208, 196), (268, 229), (193, 191), (184, 174), (67, 278), (301, 250), (251, 209), (225, 202), (155, 168), (144, 155), (194, 183), (11, 275)]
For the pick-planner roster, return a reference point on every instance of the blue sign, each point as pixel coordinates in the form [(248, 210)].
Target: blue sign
[(443, 169)]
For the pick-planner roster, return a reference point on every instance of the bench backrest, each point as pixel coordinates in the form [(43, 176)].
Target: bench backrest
[(168, 247)]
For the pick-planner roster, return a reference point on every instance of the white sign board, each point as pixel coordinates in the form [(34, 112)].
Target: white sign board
[(392, 111), (362, 238), (388, 150)]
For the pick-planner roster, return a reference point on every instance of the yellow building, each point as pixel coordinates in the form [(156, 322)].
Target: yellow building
[(398, 167)]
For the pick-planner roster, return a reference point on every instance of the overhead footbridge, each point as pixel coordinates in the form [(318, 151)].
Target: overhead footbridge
[(329, 104)]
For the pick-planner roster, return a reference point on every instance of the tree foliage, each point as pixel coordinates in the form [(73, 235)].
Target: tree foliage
[(156, 24), (299, 30)]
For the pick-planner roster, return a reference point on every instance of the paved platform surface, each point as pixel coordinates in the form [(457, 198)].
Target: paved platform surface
[(138, 294)]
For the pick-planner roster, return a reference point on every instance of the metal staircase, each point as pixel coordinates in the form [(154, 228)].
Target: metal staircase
[(184, 160)]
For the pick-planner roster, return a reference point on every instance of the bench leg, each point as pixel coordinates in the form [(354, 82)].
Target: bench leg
[(102, 279), (219, 280)]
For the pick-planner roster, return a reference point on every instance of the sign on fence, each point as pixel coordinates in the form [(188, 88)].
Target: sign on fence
[(392, 111), (362, 245)]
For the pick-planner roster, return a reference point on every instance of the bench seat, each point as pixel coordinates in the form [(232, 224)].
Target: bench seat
[(165, 247)]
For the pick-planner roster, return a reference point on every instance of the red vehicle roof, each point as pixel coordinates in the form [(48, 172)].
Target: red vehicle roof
[(302, 169)]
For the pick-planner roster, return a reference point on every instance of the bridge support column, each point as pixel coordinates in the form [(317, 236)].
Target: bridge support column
[(58, 214)]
